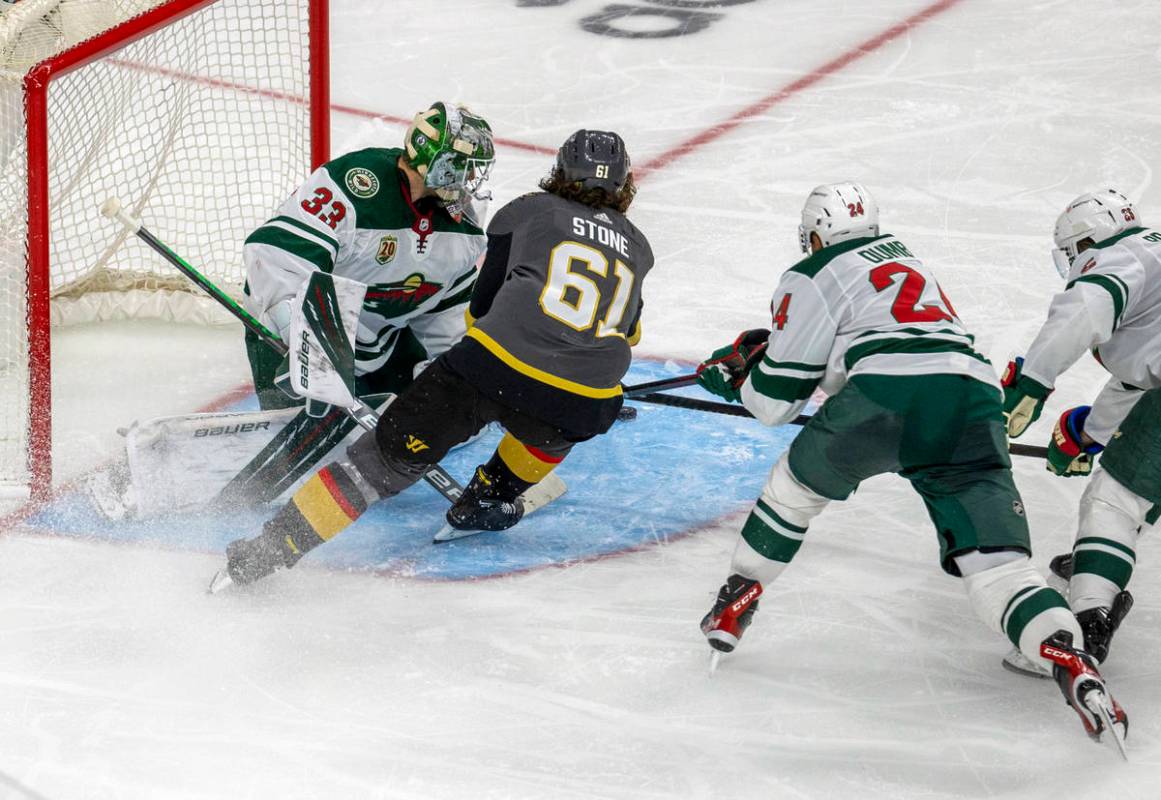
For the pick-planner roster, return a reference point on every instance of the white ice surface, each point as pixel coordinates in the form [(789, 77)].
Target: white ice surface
[(865, 675)]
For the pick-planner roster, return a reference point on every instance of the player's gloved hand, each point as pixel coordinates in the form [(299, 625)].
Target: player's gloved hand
[(1023, 398), (314, 408), (724, 372), (1068, 454)]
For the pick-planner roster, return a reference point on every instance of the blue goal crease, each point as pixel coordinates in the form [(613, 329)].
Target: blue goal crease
[(648, 481)]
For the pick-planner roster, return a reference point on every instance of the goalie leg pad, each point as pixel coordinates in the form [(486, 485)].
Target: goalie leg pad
[(1104, 554), (292, 453), (776, 526), (1014, 599)]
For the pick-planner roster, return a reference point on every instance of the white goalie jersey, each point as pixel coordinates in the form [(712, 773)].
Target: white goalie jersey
[(354, 218), (1111, 306), (862, 306)]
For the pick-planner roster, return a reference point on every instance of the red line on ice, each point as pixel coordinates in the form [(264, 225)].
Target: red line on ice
[(795, 87), (274, 94)]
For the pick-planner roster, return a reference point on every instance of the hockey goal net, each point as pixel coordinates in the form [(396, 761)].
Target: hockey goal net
[(200, 115)]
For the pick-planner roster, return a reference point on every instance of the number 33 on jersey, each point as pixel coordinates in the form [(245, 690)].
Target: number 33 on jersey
[(865, 305)]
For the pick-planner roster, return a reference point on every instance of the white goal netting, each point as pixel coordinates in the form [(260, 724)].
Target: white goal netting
[(201, 128)]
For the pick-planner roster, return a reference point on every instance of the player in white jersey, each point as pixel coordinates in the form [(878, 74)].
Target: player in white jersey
[(1110, 306), (864, 320), (405, 224)]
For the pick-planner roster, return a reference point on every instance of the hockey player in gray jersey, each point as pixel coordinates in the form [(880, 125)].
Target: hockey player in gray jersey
[(556, 307), (864, 320), (404, 225), (1111, 307)]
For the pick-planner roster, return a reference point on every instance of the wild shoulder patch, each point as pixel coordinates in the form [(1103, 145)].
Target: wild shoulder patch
[(362, 182)]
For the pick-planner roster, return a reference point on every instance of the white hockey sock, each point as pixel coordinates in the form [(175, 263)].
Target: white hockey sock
[(776, 526), (1104, 554), (1014, 599)]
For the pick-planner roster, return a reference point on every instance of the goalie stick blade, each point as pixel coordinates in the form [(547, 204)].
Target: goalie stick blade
[(220, 582), (536, 497), (549, 489)]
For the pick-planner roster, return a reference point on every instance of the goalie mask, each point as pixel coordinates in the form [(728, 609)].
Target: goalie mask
[(837, 212), (1097, 216), (452, 149)]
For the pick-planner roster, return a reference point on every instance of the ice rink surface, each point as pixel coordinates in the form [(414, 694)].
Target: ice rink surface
[(865, 675)]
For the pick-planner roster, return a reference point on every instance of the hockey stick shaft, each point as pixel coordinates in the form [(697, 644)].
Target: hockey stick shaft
[(664, 383), (1016, 449), (362, 413)]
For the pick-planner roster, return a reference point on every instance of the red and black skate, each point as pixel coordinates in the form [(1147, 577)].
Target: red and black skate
[(732, 612), (1084, 689)]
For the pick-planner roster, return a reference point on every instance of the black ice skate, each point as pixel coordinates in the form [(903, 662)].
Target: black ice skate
[(1099, 625), (1061, 566), (732, 613), (479, 509), (247, 560), (1084, 689)]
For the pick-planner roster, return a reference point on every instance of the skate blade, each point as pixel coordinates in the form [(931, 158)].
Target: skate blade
[(715, 659), (1018, 663), (449, 534), (220, 582), (1115, 731)]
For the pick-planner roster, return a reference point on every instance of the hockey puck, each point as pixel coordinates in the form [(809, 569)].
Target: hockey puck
[(626, 414)]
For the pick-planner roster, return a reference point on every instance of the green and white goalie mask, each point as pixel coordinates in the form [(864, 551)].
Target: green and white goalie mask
[(452, 149)]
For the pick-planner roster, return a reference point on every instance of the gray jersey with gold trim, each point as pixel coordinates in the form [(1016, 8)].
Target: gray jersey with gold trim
[(570, 298)]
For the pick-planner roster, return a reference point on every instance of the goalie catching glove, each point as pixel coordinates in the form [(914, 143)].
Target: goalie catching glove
[(724, 372), (1068, 453), (1023, 398)]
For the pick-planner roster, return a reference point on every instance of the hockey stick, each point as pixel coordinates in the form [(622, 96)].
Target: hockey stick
[(664, 383), (1015, 448), (359, 411)]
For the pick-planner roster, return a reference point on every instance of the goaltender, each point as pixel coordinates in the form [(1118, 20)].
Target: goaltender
[(404, 223)]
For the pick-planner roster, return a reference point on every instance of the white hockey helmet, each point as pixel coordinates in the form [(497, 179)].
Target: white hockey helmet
[(1097, 215), (838, 211)]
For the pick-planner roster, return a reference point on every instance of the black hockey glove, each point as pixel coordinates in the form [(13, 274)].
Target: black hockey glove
[(724, 372)]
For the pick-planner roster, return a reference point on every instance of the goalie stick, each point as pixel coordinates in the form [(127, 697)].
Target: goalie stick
[(363, 414)]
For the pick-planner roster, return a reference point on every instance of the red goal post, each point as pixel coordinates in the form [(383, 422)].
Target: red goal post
[(201, 115)]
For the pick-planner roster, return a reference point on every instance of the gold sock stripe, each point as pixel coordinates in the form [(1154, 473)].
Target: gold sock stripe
[(325, 515), (525, 464)]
